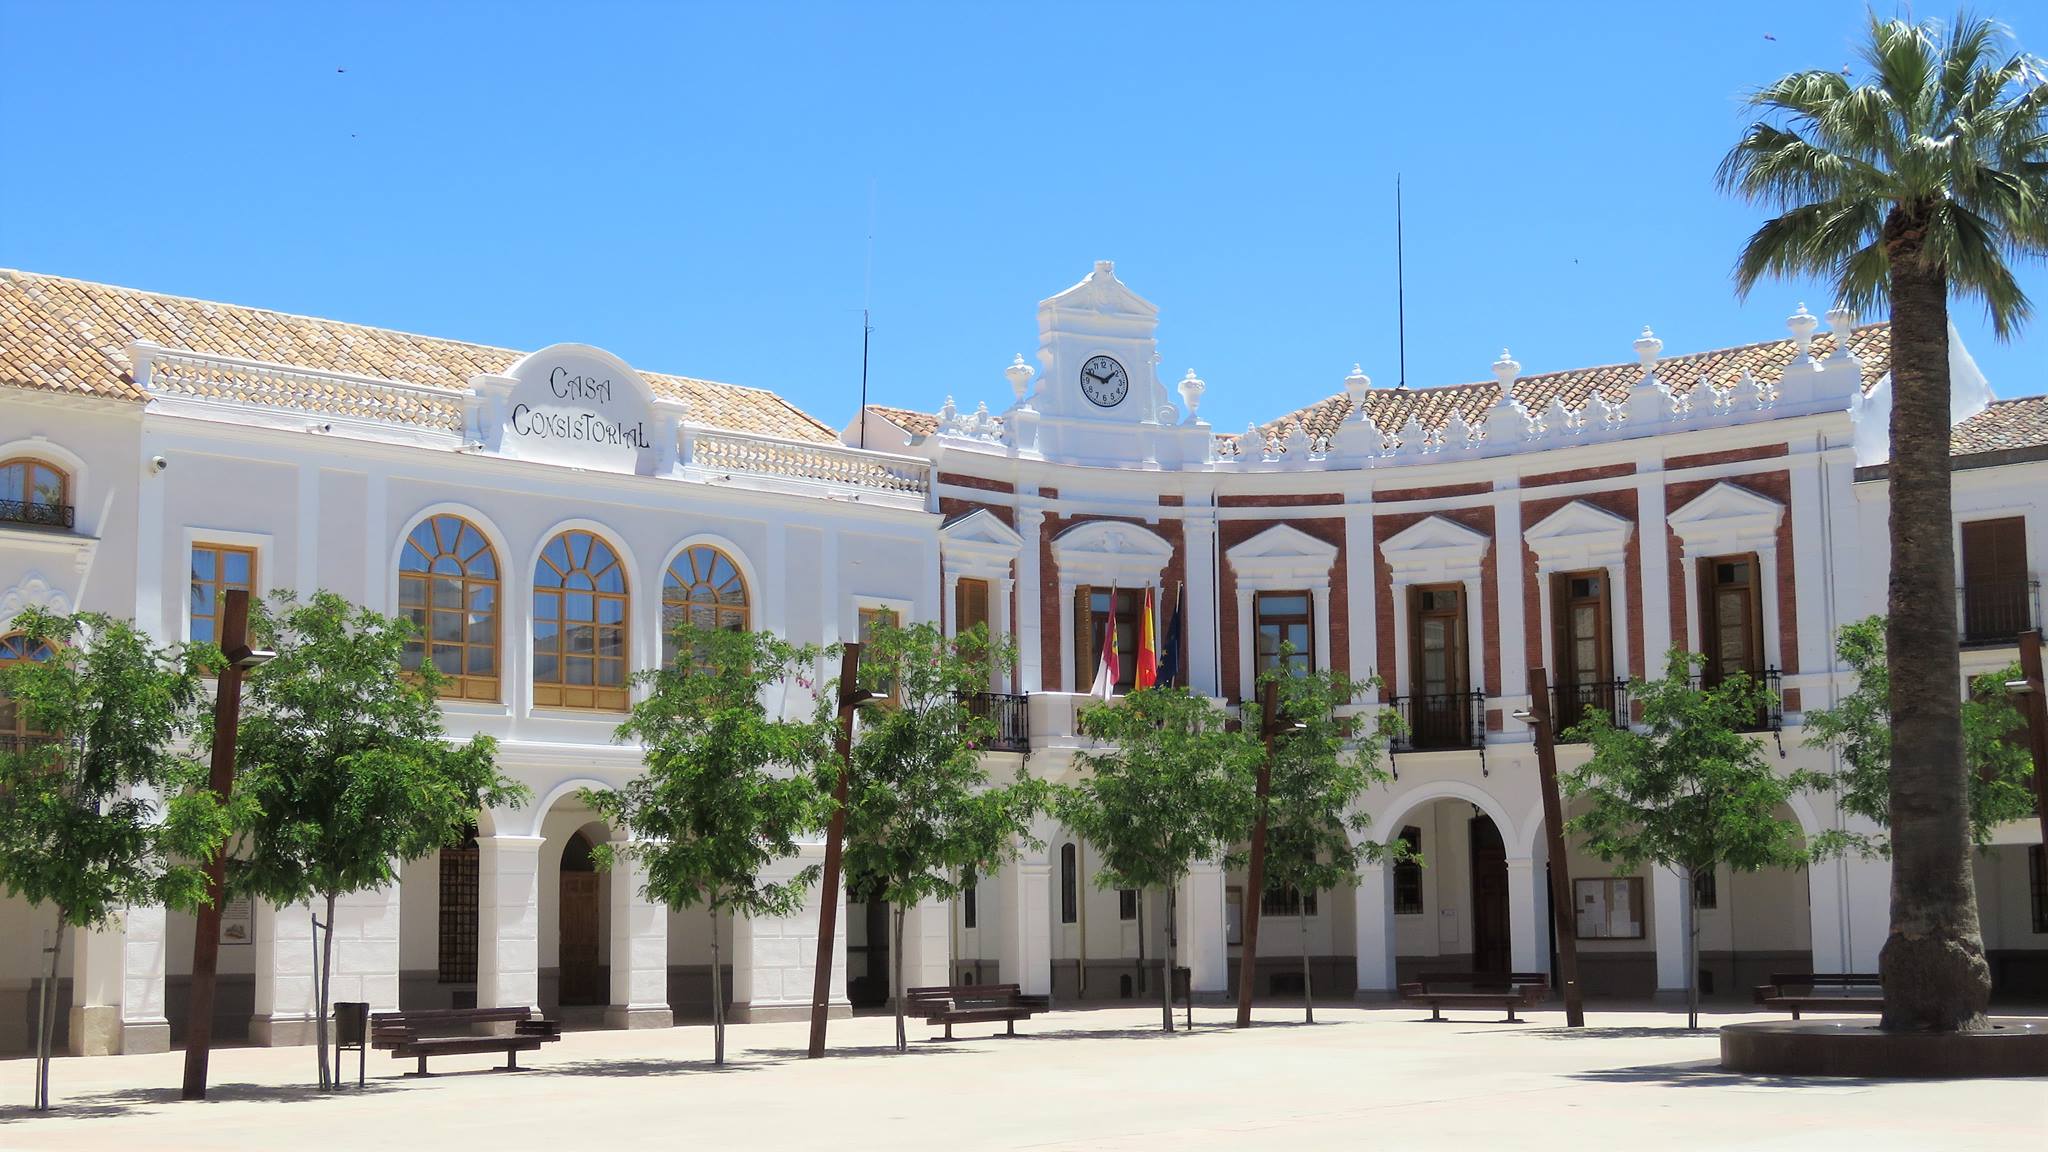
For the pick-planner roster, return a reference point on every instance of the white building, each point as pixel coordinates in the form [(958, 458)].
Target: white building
[(540, 514)]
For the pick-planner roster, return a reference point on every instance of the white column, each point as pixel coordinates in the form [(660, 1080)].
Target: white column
[(508, 921), (774, 957), (1361, 590), (1826, 922), (1203, 948), (1767, 594), (1652, 537), (1398, 681), (1374, 898), (306, 563), (96, 989), (284, 956), (1667, 919), (1030, 673), (1692, 604), (1869, 906), (949, 610), (1509, 576), (1475, 637), (1528, 934), (1810, 589), (144, 1027), (377, 581), (1322, 657), (1617, 613), (1204, 652), (1546, 619), (1024, 937), (1005, 587), (639, 945), (1247, 650), (927, 946), (1066, 669)]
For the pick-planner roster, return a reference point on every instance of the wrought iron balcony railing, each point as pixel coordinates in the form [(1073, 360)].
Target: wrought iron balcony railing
[(1573, 703), (1010, 715), (36, 515), (1769, 718), (1997, 611), (1443, 720)]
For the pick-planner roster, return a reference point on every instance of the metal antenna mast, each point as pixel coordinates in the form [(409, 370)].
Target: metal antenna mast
[(867, 330), (1400, 284)]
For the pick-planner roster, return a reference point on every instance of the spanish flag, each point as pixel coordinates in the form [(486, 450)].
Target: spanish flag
[(1148, 646)]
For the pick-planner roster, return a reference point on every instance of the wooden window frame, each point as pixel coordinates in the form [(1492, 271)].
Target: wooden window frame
[(1457, 647), (699, 570), (1710, 616), (221, 586), (1127, 608), (16, 729), (556, 691), (445, 531), (1127, 905), (1304, 657), (1288, 902), (1562, 602), (1070, 883), (1407, 874), (30, 465), (458, 912)]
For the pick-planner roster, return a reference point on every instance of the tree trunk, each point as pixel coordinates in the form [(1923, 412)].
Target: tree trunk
[(1167, 961), (717, 998), (1308, 994), (896, 963), (322, 990), (1692, 950), (1933, 966), (46, 1012)]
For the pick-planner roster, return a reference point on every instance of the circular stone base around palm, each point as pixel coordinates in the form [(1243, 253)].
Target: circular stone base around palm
[(2006, 1047)]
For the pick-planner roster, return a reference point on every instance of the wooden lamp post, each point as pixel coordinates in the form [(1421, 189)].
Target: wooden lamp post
[(1270, 726), (851, 696), (1537, 716)]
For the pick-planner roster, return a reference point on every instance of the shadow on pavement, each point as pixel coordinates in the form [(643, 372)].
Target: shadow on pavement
[(1640, 1032), (645, 1067), (102, 1104), (1709, 1074)]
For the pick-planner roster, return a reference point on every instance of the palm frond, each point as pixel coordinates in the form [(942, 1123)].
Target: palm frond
[(1969, 247)]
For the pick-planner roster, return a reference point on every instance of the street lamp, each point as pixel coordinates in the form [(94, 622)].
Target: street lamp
[(851, 696), (2035, 701), (1270, 726), (227, 719), (1537, 717)]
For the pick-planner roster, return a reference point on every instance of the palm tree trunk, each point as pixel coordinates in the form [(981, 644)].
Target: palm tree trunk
[(896, 963), (1933, 966), (1308, 995), (717, 997)]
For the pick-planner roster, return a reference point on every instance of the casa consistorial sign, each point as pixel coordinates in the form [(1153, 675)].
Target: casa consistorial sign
[(578, 406)]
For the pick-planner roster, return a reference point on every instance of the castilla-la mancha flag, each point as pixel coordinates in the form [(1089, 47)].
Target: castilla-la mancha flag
[(1107, 671), (1148, 646)]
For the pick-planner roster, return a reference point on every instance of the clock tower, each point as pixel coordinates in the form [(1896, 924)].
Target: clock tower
[(1098, 381)]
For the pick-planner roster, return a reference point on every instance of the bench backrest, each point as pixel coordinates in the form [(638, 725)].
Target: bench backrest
[(1831, 980), (1486, 981), (444, 1019), (925, 997)]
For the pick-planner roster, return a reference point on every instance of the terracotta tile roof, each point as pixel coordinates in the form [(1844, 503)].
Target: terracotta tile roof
[(2004, 425), (1720, 368), (66, 335), (915, 423)]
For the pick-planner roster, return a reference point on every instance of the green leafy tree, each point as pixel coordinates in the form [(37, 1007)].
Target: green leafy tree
[(728, 788), (345, 766), (1321, 766), (1169, 783), (1858, 730), (1922, 180), (923, 816), (106, 810), (1689, 789)]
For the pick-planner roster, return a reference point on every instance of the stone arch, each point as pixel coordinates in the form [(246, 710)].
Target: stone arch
[(1391, 814)]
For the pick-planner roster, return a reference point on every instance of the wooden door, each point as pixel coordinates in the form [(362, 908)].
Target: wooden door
[(1996, 594), (579, 929), (1490, 943), (1733, 629), (1437, 679), (1584, 651)]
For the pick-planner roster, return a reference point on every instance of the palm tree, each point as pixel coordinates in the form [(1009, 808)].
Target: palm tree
[(1921, 181)]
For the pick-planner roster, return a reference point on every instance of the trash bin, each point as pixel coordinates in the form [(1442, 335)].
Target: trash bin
[(351, 1030)]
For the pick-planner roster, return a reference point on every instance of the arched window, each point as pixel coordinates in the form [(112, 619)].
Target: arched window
[(34, 492), (448, 587), (579, 624), (702, 585), (15, 733)]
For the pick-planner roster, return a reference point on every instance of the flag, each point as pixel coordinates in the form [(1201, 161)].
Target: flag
[(1107, 672), (1148, 645), (1169, 657)]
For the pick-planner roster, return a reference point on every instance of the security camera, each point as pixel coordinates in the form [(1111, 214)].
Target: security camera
[(158, 463)]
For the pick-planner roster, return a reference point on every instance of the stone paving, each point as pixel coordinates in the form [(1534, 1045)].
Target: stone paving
[(1102, 1079)]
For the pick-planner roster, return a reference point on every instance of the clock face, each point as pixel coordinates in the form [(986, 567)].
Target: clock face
[(1104, 382)]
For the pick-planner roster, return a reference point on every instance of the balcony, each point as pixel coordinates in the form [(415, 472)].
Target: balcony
[(1571, 704), (1771, 718), (1010, 715), (12, 744), (37, 515), (1997, 611), (1447, 720)]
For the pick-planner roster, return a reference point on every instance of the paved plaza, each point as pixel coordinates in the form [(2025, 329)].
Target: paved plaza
[(1101, 1079)]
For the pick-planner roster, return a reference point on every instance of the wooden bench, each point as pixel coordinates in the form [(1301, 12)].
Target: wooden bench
[(1509, 990), (452, 1031), (1798, 992), (972, 1003)]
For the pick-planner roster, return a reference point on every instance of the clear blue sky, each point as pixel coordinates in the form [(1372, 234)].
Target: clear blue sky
[(690, 186)]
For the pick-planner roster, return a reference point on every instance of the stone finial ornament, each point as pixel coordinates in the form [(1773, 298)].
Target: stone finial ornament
[(1356, 386), (1648, 348), (1505, 370), (1191, 389), (1802, 325), (1020, 375)]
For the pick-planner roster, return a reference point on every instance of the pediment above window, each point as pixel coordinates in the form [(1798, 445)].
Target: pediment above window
[(1579, 535), (1280, 558), (978, 544), (1727, 518), (1110, 552), (1435, 550)]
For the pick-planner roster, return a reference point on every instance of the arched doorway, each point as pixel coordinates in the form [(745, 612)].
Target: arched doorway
[(582, 975), (1491, 950)]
